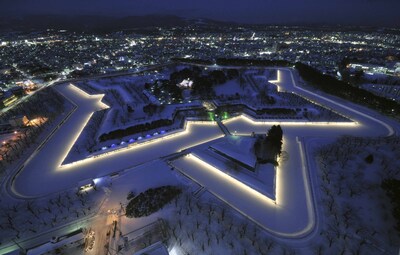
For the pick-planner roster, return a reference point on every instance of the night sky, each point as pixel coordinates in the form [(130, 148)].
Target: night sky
[(359, 12)]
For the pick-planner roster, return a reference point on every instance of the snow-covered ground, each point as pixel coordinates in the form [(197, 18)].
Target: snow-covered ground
[(54, 176), (292, 214), (357, 212), (239, 148), (229, 88), (294, 200)]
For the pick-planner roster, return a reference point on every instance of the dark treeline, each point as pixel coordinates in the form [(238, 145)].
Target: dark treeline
[(344, 90), (165, 123), (392, 189), (193, 61), (277, 111), (243, 108), (251, 62), (116, 134), (269, 147), (179, 115), (151, 200)]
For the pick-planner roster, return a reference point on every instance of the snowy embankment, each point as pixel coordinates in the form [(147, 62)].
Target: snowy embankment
[(293, 215), (57, 148), (257, 95)]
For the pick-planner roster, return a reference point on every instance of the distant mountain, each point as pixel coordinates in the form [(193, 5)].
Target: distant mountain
[(88, 23), (144, 24)]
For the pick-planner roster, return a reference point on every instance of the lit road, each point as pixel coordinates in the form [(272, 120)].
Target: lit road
[(102, 227)]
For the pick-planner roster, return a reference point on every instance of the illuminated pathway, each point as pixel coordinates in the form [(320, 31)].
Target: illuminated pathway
[(364, 116), (291, 215), (44, 173), (294, 214)]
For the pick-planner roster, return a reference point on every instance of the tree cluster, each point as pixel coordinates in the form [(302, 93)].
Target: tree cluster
[(203, 83), (22, 219), (277, 111), (151, 201), (357, 220), (119, 133), (251, 62), (346, 91), (392, 188), (268, 148), (192, 61), (200, 227), (150, 109)]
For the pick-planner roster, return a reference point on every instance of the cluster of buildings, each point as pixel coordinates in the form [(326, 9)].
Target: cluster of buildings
[(47, 55), (11, 95), (370, 69)]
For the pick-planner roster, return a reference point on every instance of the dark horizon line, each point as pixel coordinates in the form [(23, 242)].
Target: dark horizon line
[(11, 17)]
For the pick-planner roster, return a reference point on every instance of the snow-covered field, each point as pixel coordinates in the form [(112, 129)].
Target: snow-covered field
[(357, 212), (294, 212), (229, 88)]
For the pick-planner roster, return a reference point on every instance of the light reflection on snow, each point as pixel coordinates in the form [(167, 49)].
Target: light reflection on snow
[(240, 185)]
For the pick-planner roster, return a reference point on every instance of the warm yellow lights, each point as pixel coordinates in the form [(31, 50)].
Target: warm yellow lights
[(292, 177), (260, 122), (278, 80), (239, 185), (307, 187), (85, 117), (187, 129), (86, 95)]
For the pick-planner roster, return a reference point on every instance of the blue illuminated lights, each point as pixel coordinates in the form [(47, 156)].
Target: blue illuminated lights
[(132, 140)]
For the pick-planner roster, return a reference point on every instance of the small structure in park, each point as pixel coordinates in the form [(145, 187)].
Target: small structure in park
[(185, 84)]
